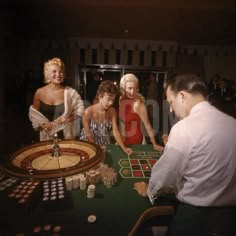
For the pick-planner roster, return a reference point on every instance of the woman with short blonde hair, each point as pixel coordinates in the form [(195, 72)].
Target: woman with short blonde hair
[(56, 108), (133, 112)]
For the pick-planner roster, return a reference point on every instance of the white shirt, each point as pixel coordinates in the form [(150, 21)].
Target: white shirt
[(199, 159)]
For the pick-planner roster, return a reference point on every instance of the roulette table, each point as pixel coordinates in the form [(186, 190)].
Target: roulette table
[(116, 209)]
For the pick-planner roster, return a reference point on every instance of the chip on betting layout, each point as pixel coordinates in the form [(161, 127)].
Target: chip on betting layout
[(91, 218)]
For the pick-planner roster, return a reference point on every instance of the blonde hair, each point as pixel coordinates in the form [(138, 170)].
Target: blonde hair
[(53, 61), (129, 78)]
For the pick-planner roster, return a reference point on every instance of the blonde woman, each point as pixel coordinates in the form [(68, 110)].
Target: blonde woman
[(133, 112), (56, 107)]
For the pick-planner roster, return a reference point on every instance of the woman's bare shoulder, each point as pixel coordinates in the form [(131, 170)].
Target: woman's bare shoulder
[(41, 89), (38, 92), (139, 106), (138, 103), (90, 111)]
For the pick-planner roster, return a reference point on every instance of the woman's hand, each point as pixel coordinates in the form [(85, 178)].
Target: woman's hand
[(60, 120), (128, 151), (47, 126), (158, 147)]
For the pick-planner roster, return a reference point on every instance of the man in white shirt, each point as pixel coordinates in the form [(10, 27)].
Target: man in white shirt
[(199, 160)]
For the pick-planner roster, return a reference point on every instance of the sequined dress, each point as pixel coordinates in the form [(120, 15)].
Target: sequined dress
[(101, 132)]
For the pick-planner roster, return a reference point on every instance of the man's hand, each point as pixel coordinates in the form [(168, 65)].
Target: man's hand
[(165, 138), (158, 147), (141, 188)]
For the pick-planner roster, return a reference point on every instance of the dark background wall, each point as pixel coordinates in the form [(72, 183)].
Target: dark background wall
[(29, 35)]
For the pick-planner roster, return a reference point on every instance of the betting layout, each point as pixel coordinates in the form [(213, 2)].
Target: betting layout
[(138, 164)]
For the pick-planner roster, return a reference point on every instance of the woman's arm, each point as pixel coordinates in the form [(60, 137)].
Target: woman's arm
[(117, 134), (140, 109), (122, 129), (122, 120), (36, 100), (86, 119), (61, 119), (36, 105)]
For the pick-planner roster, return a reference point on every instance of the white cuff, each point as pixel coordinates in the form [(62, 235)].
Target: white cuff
[(151, 197)]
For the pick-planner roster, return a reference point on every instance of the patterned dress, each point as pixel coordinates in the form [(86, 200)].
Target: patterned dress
[(101, 132)]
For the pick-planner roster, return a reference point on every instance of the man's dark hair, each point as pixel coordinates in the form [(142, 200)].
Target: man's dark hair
[(189, 83)]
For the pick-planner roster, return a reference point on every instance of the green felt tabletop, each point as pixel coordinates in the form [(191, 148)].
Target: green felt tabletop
[(116, 208)]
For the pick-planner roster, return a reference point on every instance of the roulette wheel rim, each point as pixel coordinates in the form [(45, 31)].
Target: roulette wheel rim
[(16, 165)]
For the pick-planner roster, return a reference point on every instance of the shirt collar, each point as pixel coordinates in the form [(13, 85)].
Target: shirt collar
[(199, 106)]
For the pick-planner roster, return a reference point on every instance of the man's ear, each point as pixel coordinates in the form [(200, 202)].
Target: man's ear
[(182, 95)]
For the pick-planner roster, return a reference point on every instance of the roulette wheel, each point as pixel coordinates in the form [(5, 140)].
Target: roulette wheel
[(47, 160)]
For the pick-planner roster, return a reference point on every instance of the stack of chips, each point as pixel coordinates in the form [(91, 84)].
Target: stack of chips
[(30, 168), (109, 179), (6, 183), (91, 191), (93, 176), (53, 190), (104, 173), (75, 181), (47, 229), (109, 176), (69, 183), (83, 183), (23, 191)]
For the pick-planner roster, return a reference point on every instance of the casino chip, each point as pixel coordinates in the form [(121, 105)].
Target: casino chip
[(56, 228), (47, 227), (91, 218), (37, 229)]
